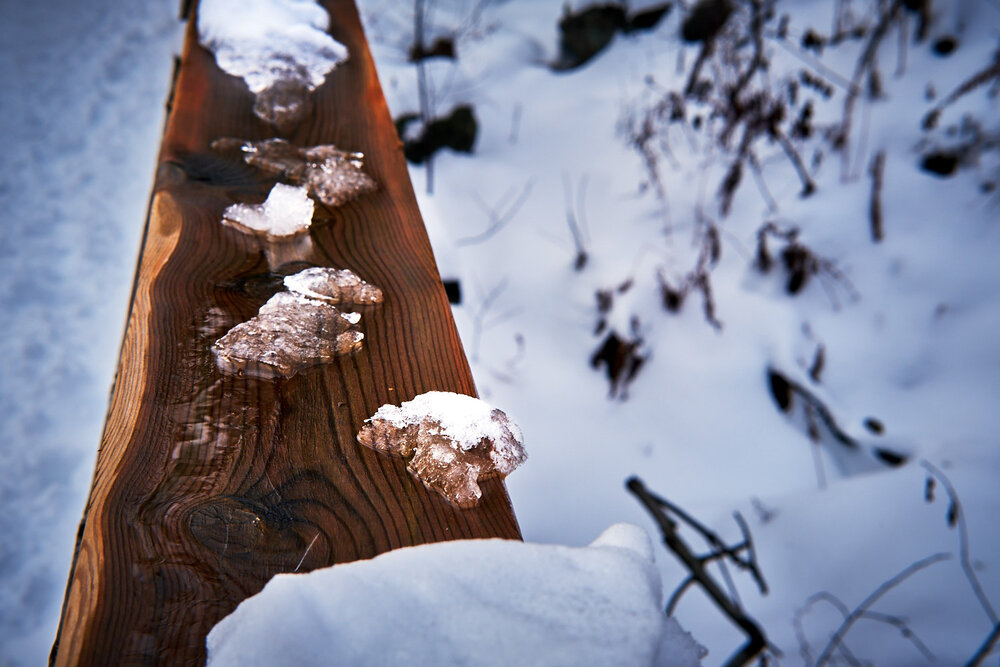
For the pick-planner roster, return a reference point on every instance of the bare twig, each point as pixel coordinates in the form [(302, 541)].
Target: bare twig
[(677, 594), (757, 33), (572, 213), (831, 75), (877, 171), (423, 84), (862, 609), (956, 516), (987, 647), (703, 56), (983, 76), (835, 602), (864, 65), (499, 214), (756, 640), (479, 316), (758, 174), (305, 553)]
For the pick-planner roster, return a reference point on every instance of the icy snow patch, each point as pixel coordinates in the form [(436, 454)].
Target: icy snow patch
[(450, 440), (333, 286), (266, 41), (287, 212), (482, 602), (289, 333), (298, 328), (279, 47), (333, 176)]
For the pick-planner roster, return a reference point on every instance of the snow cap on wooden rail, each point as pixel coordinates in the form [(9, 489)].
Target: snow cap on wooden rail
[(280, 48), (450, 441)]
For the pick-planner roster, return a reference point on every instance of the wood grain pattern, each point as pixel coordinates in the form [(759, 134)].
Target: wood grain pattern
[(207, 485)]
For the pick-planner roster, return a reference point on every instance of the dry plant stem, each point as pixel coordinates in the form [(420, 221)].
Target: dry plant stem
[(901, 54), (479, 316), (575, 228), (877, 171), (642, 141), (498, 216), (830, 75), (862, 609), (758, 176), (703, 55), (963, 545), (758, 61), (865, 63), (837, 603), (756, 641), (987, 648), (980, 78), (808, 186), (422, 83)]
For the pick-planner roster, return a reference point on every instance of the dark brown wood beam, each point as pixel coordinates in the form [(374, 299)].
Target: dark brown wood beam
[(207, 484)]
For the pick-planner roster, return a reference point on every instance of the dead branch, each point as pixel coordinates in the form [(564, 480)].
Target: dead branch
[(758, 174), (987, 647), (572, 213), (658, 508), (877, 171), (479, 313), (423, 84), (982, 77), (800, 262), (866, 64), (808, 186), (862, 609), (758, 61), (703, 55)]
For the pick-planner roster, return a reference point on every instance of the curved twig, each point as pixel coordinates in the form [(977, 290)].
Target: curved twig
[(862, 609)]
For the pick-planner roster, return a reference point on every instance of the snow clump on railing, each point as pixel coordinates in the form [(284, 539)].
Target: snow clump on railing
[(451, 441)]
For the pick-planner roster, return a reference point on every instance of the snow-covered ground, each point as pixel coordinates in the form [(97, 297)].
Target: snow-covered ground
[(907, 326), (84, 87)]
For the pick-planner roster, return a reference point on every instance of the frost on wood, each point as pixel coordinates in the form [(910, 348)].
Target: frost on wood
[(332, 175), (333, 286), (450, 441), (279, 47), (294, 329), (286, 213)]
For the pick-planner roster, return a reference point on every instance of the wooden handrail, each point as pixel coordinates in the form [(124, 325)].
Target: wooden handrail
[(208, 484)]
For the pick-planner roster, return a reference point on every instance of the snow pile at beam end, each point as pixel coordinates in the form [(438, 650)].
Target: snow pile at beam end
[(482, 602), (266, 41)]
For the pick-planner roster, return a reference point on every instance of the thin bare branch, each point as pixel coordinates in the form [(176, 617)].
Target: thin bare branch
[(756, 640), (860, 611), (877, 171), (963, 544), (987, 647)]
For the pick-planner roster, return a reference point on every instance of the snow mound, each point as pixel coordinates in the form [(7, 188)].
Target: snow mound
[(482, 602), (267, 41), (449, 440), (279, 47)]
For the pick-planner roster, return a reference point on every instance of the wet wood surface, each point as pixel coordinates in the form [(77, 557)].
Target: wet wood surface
[(206, 484)]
